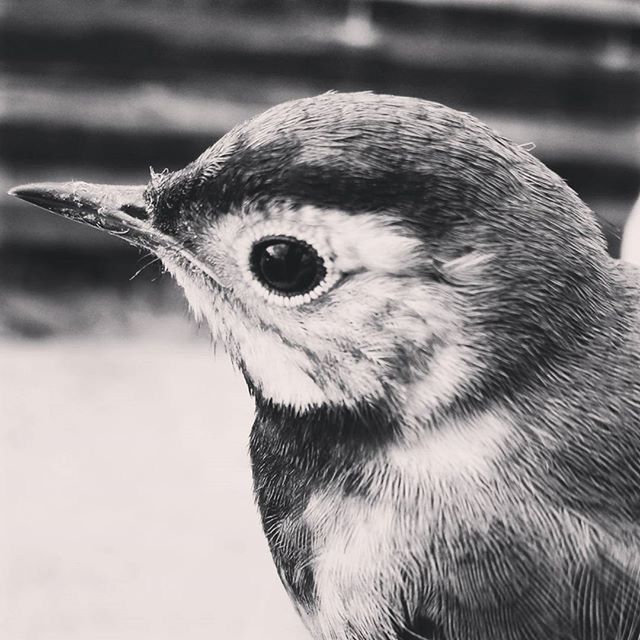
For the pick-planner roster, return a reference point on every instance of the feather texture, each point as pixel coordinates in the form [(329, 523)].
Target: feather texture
[(447, 433)]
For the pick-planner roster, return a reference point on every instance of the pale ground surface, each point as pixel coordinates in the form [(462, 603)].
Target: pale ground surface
[(125, 497), (630, 249)]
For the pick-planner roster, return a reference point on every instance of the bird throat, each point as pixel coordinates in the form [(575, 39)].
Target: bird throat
[(297, 455)]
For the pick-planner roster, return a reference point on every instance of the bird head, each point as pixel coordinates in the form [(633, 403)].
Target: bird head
[(351, 249)]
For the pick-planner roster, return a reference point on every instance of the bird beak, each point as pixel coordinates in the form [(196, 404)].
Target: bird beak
[(120, 210)]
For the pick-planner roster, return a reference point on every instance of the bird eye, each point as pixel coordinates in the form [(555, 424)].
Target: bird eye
[(288, 267)]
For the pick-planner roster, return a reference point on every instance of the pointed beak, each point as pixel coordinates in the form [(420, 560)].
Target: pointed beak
[(120, 210)]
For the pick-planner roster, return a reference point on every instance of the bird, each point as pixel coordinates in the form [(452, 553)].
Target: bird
[(443, 359)]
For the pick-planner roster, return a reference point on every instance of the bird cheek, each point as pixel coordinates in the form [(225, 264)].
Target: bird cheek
[(203, 296), (224, 274), (279, 371)]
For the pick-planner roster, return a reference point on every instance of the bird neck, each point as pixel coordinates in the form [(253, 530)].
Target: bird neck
[(295, 455)]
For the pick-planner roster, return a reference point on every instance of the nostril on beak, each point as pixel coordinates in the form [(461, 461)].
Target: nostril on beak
[(135, 211)]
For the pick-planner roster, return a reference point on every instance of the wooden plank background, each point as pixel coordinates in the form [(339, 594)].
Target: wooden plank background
[(104, 89), (100, 90)]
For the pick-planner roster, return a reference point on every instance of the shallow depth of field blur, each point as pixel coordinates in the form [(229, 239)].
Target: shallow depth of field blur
[(126, 505)]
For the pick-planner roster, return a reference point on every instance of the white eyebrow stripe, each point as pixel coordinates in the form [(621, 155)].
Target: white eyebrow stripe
[(380, 244)]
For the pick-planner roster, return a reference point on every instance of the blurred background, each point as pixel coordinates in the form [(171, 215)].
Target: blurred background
[(125, 494)]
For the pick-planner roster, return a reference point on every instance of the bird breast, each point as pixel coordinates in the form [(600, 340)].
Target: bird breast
[(446, 531), (376, 551)]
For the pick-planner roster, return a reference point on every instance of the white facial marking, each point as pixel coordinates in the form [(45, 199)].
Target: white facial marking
[(374, 326), (199, 299), (348, 242), (449, 372), (281, 372)]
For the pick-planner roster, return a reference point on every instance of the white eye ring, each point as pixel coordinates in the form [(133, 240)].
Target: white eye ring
[(267, 231)]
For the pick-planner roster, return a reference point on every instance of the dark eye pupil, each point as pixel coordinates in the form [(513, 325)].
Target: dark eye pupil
[(287, 265)]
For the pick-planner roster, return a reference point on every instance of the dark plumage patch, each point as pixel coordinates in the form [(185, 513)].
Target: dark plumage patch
[(323, 153), (135, 211), (421, 628), (294, 455)]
